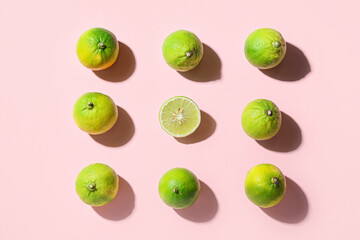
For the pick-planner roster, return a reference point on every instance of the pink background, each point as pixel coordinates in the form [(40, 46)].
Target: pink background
[(42, 150)]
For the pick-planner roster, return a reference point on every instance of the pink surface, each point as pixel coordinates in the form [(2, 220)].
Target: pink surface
[(42, 150)]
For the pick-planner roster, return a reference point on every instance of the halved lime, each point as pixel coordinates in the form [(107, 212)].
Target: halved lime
[(179, 116)]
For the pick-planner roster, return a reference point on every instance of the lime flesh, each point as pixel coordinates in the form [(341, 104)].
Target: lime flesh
[(179, 116), (179, 188), (265, 48), (265, 185), (97, 49), (182, 50), (97, 184), (95, 113), (261, 119)]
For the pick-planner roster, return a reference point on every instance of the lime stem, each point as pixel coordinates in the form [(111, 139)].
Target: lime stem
[(90, 105), (175, 190), (188, 54), (102, 45), (91, 187), (277, 44), (269, 112), (275, 181)]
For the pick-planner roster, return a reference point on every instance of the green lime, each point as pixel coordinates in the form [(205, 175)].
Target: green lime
[(261, 119), (182, 50), (265, 185), (265, 48), (95, 113), (179, 188), (97, 184), (97, 49), (179, 116)]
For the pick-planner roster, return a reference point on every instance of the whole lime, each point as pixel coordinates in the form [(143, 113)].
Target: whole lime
[(95, 113), (265, 185), (182, 50), (179, 188), (261, 119), (97, 49), (97, 184), (265, 48)]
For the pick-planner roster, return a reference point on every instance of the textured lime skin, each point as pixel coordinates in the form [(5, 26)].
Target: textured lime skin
[(185, 129), (260, 189), (261, 49), (89, 52), (105, 182), (175, 47), (257, 124), (97, 119), (186, 183)]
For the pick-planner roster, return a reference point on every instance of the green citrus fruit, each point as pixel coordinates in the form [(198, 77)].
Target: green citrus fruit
[(179, 188), (265, 185), (97, 49), (261, 119), (182, 50), (97, 184), (179, 116), (95, 113), (265, 48)]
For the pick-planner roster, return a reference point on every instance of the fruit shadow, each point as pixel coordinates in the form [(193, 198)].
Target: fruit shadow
[(293, 67), (205, 130), (122, 205), (122, 69), (294, 206), (288, 139), (205, 207), (209, 68), (120, 134)]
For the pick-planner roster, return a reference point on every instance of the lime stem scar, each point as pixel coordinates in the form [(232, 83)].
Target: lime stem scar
[(90, 105), (102, 45), (91, 187), (188, 54), (275, 181), (276, 44), (175, 190), (269, 112)]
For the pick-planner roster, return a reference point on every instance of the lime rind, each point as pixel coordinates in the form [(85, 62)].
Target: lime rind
[(190, 116)]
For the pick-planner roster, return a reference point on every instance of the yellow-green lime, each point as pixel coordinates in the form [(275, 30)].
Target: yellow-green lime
[(95, 113), (179, 116), (97, 48), (265, 48), (265, 185), (97, 184), (261, 119), (179, 188), (182, 50)]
